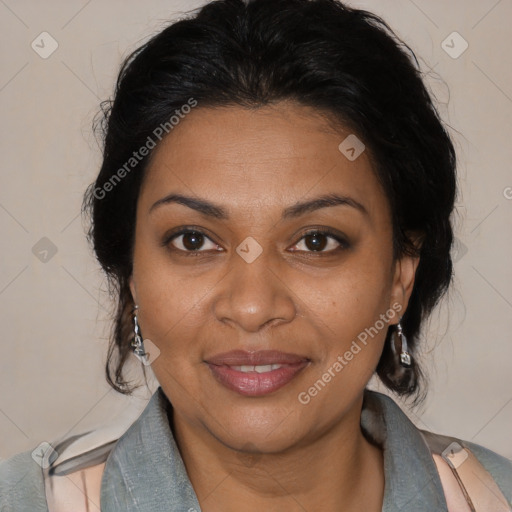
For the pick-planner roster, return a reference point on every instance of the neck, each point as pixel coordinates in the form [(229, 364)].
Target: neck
[(338, 470)]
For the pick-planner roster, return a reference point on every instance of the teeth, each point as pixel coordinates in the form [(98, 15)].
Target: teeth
[(264, 368)]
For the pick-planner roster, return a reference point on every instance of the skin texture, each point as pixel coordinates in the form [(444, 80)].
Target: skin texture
[(270, 452)]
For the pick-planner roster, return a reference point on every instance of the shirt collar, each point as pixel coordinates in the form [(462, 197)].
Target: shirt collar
[(145, 471), (412, 480)]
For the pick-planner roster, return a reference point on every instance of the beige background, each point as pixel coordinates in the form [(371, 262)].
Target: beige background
[(54, 313)]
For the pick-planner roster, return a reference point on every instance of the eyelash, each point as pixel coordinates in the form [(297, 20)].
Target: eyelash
[(343, 244)]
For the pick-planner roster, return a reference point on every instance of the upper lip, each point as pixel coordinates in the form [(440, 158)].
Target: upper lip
[(255, 358)]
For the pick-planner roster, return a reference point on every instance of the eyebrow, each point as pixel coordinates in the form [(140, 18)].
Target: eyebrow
[(210, 209)]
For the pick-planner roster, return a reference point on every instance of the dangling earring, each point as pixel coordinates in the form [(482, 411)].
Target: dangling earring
[(405, 357), (137, 343)]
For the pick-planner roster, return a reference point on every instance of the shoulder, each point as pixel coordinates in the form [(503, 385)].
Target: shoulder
[(483, 472), (42, 478), (55, 475), (498, 466), (52, 481), (22, 484), (378, 404)]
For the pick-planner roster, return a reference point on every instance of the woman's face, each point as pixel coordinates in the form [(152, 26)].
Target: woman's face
[(251, 277)]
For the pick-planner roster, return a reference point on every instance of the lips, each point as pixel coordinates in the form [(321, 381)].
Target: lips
[(260, 357), (255, 373)]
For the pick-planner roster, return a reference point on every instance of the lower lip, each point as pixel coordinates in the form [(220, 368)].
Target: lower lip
[(253, 383)]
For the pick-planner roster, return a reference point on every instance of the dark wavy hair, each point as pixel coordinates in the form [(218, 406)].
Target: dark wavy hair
[(347, 64)]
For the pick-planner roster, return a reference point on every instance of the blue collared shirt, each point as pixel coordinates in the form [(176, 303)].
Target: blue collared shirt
[(145, 472)]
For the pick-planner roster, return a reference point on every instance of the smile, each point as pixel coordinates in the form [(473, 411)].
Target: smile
[(264, 368), (256, 380)]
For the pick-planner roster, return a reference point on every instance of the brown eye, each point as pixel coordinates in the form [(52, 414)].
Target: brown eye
[(315, 241), (191, 241), (321, 241)]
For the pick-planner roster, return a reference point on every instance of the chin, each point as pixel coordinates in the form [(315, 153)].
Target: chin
[(267, 432), (254, 445)]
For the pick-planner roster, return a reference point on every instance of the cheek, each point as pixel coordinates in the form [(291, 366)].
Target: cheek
[(158, 295), (169, 315), (353, 335), (351, 314), (173, 305), (350, 298)]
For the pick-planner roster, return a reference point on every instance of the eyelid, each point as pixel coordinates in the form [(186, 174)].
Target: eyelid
[(176, 233), (340, 238)]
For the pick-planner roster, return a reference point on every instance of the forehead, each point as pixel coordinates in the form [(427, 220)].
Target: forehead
[(261, 157)]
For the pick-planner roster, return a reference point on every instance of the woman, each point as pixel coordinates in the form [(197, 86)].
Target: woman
[(273, 211)]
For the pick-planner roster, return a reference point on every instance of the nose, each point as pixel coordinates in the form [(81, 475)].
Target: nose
[(254, 296)]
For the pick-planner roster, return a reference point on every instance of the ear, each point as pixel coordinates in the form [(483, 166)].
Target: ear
[(132, 289), (403, 279)]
